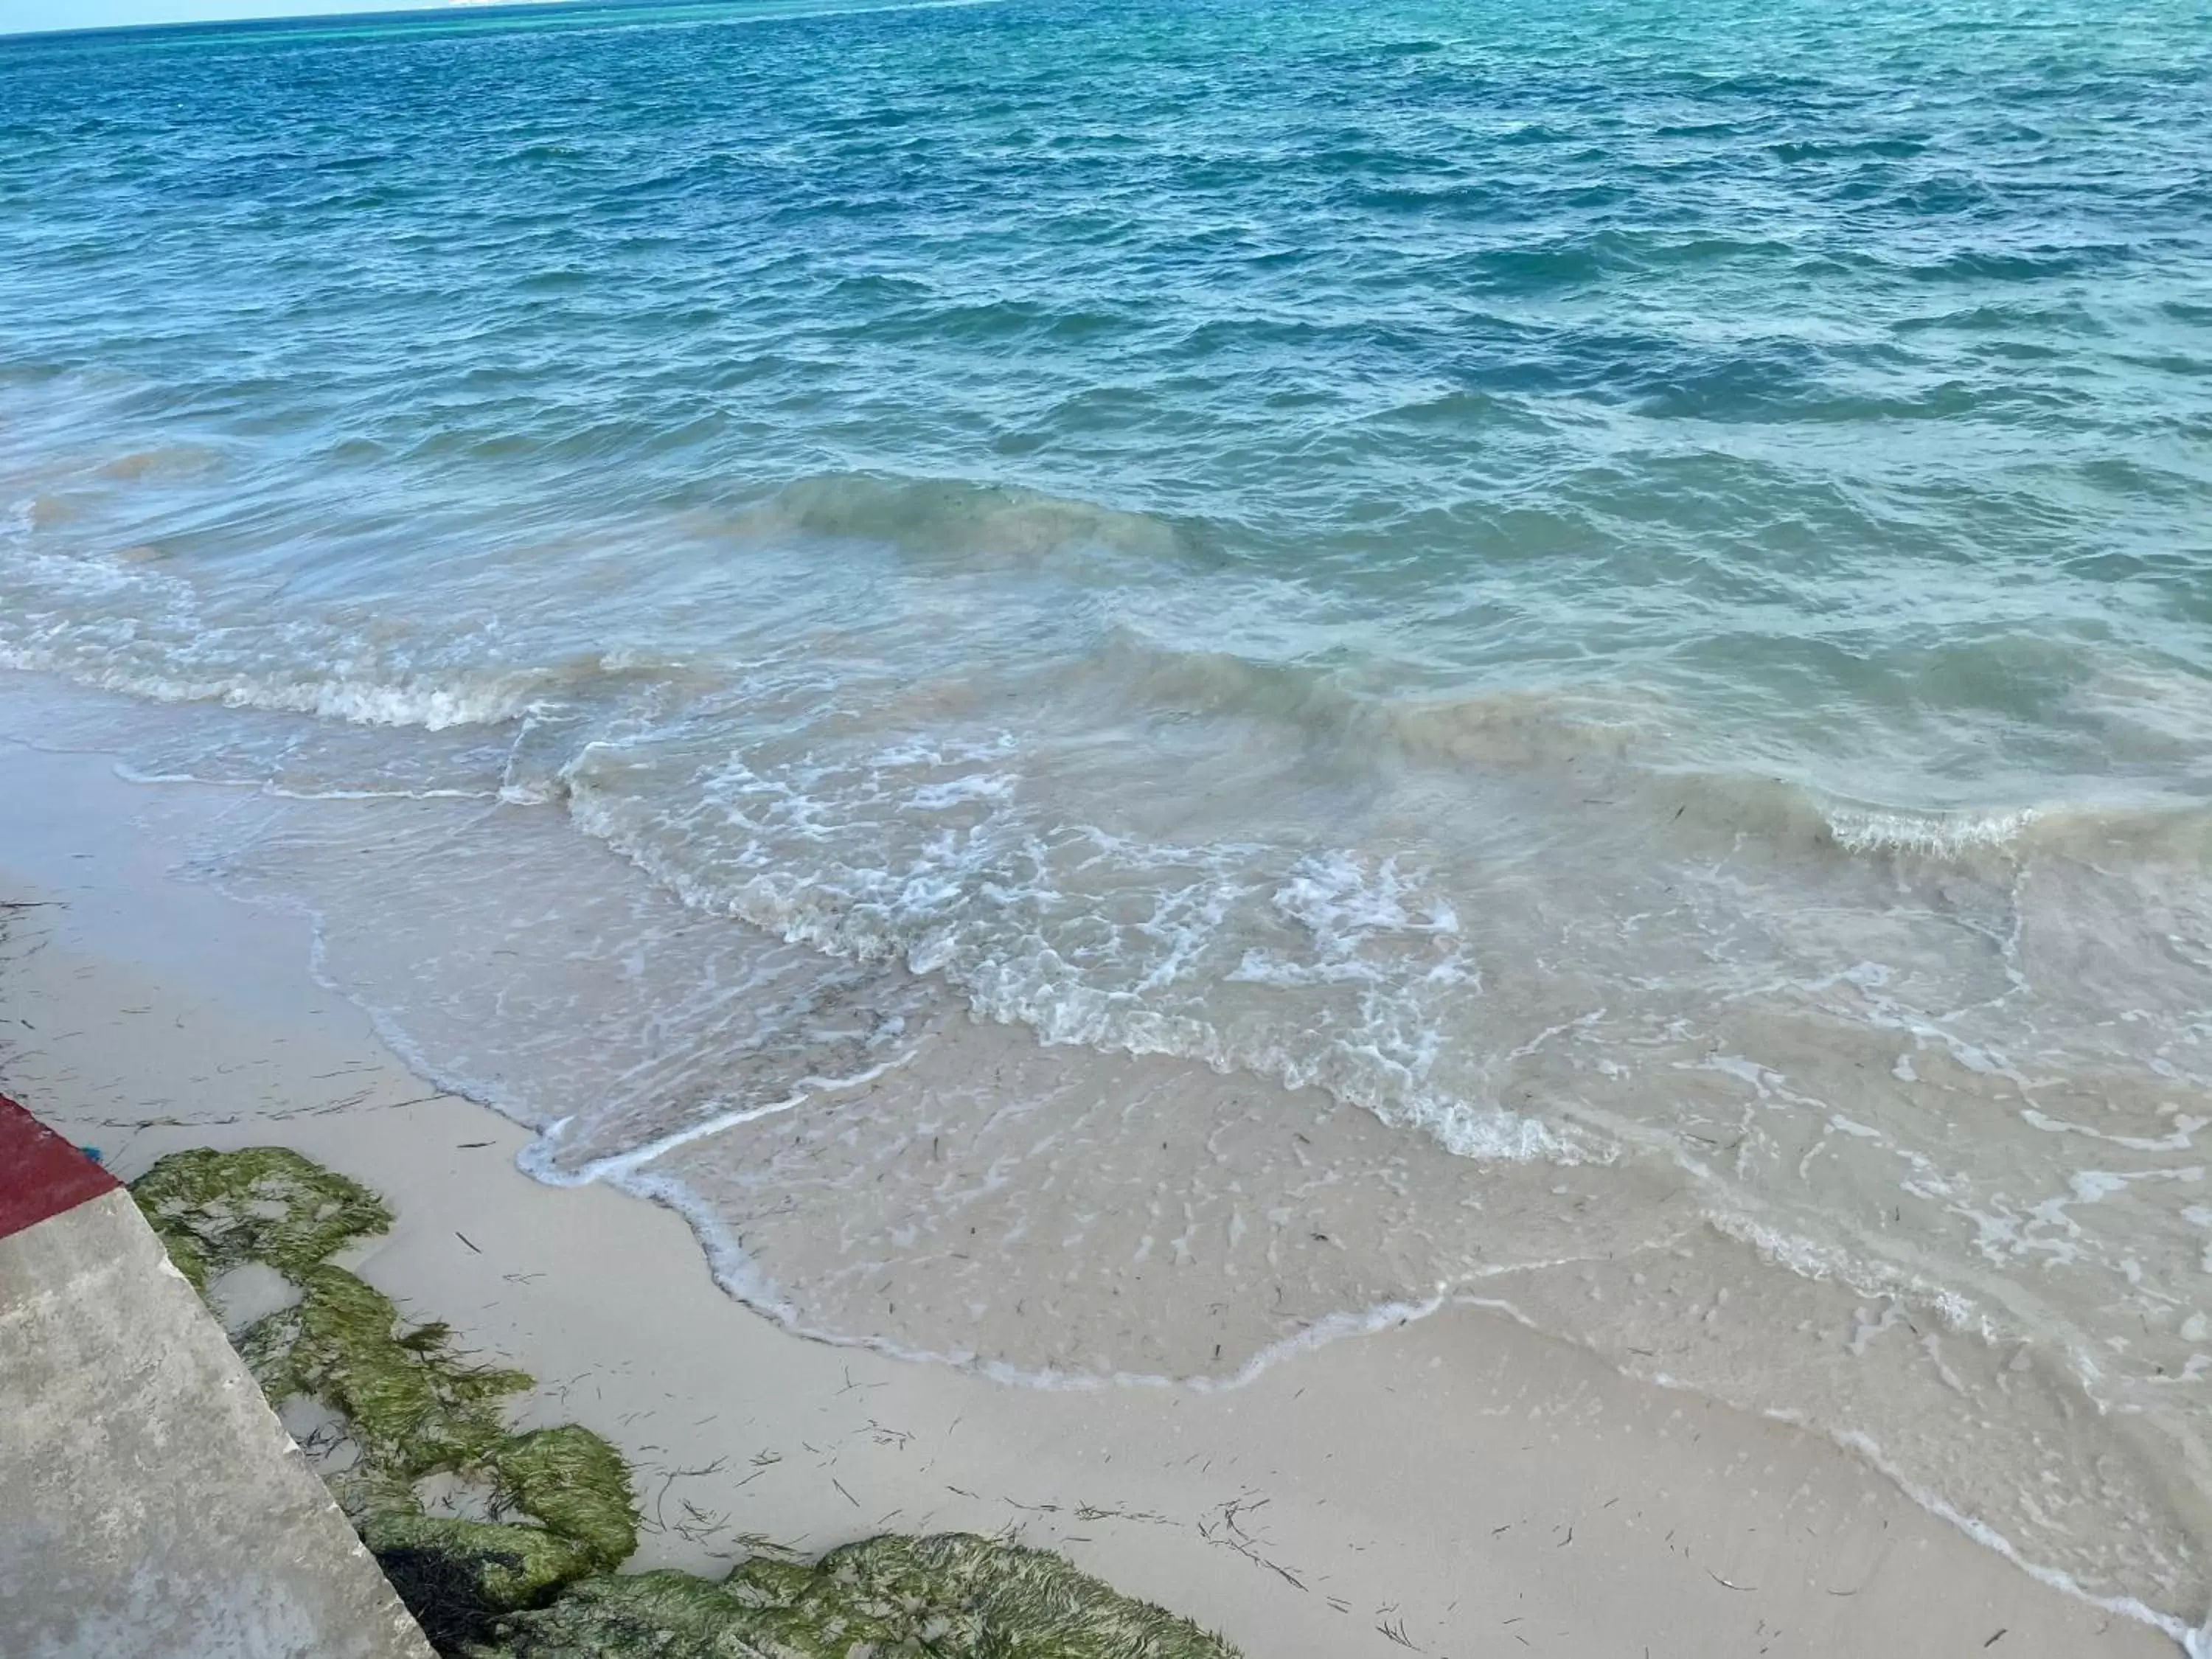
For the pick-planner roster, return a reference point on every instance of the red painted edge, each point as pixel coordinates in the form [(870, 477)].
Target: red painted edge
[(41, 1174)]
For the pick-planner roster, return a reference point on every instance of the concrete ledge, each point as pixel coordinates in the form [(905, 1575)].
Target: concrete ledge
[(153, 1506)]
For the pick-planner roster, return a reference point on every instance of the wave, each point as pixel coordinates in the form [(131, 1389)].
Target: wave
[(1085, 938), (427, 702), (956, 521), (1931, 835), (1785, 816), (2174, 831), (1619, 745), (1790, 816), (1355, 711), (122, 623)]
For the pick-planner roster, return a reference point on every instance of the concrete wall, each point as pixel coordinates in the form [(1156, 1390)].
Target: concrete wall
[(151, 1506)]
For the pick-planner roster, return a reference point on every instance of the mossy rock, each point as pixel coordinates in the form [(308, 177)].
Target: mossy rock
[(950, 1596), (215, 1210), (573, 1482), (458, 1576), (445, 1590), (543, 1587), (410, 1406), (1032, 1604), (668, 1616), (571, 1486)]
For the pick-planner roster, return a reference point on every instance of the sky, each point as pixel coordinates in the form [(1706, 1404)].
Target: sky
[(22, 14)]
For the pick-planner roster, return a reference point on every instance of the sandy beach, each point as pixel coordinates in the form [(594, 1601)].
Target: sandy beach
[(1458, 1486)]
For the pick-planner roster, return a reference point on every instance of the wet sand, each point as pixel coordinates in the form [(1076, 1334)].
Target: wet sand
[(1459, 1485)]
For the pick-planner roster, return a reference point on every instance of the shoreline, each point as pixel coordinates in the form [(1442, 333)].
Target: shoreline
[(1512, 1485)]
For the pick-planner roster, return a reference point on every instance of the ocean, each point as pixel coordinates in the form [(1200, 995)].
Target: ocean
[(1122, 687)]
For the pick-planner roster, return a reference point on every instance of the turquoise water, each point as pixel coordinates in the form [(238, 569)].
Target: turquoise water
[(1834, 374), (1621, 588)]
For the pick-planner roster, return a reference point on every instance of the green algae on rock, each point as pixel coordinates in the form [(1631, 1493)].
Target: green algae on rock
[(953, 1596), (410, 1406), (545, 1586), (574, 1488), (458, 1576), (215, 1210)]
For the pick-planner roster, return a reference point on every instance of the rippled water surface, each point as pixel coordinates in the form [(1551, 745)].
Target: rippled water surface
[(1565, 649)]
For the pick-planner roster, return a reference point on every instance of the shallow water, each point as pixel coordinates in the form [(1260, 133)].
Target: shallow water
[(1121, 686)]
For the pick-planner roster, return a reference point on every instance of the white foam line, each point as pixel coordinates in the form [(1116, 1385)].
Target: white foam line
[(537, 1162), (129, 774), (2197, 1642), (796, 15), (277, 793), (1934, 834), (734, 1271)]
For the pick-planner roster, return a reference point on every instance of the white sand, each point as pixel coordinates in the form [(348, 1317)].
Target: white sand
[(1458, 1486)]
